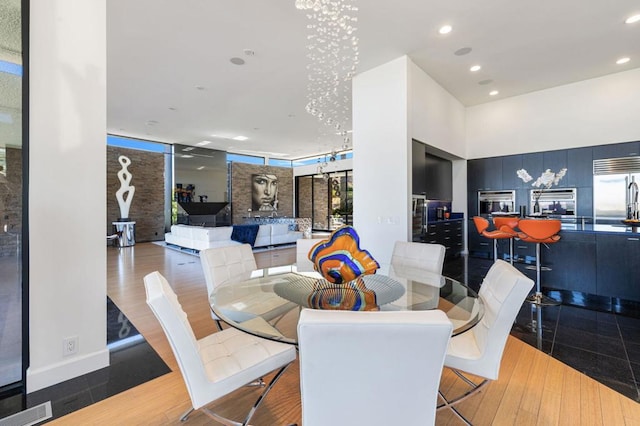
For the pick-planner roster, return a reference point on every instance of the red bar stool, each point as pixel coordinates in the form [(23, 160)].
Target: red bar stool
[(508, 224), (539, 231), (482, 225)]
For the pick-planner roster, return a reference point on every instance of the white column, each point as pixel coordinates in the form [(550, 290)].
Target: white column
[(67, 182), (382, 158)]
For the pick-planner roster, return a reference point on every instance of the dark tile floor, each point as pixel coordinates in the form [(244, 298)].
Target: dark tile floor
[(602, 345), (132, 362)]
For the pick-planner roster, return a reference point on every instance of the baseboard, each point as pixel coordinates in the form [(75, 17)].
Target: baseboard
[(40, 378)]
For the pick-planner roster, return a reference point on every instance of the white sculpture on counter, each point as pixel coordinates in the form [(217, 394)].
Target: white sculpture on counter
[(126, 191)]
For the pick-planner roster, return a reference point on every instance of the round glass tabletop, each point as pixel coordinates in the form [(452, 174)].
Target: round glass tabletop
[(269, 305)]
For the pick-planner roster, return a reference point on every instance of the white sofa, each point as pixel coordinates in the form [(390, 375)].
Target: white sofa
[(200, 238)]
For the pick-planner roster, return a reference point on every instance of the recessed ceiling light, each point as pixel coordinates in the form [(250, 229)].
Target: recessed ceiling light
[(485, 82), (632, 19), (240, 138), (237, 61), (151, 123), (200, 168), (200, 87), (493, 93), (203, 143), (249, 52), (462, 51), (475, 68), (623, 60), (187, 156), (172, 108), (189, 148), (445, 29)]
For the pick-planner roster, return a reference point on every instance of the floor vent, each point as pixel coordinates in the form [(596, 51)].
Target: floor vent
[(29, 417)]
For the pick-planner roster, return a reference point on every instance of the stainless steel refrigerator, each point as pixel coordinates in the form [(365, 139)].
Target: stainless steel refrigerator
[(612, 202)]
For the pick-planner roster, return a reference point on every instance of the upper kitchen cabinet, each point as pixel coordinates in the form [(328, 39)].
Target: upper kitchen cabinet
[(616, 150), (419, 168), (484, 174), (510, 166), (579, 167), (555, 161), (533, 163)]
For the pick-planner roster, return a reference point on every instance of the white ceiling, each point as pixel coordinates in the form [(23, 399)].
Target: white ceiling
[(160, 51)]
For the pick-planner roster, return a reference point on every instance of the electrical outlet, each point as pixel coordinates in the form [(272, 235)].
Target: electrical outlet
[(70, 346)]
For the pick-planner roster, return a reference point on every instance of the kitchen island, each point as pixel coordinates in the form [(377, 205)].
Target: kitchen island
[(591, 264)]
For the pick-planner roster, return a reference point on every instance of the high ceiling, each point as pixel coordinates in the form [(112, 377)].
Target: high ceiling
[(170, 78)]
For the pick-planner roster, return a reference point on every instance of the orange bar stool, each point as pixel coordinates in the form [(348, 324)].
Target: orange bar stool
[(482, 225), (539, 231), (508, 224)]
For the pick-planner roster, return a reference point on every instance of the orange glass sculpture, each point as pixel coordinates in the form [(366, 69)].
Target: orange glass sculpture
[(351, 296), (340, 259)]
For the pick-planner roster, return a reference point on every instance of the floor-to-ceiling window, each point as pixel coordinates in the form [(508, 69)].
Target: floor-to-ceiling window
[(11, 197), (326, 198)]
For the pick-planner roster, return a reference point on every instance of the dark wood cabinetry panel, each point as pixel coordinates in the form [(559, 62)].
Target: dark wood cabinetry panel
[(555, 161), (579, 167), (533, 163), (448, 233), (510, 166), (572, 261), (418, 168), (475, 170), (616, 150), (617, 266)]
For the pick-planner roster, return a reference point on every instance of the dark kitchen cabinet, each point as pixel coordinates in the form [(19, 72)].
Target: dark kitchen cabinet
[(419, 169), (479, 246), (616, 150), (533, 163), (617, 266), (555, 161), (579, 167), (484, 174), (572, 261), (510, 166), (448, 233)]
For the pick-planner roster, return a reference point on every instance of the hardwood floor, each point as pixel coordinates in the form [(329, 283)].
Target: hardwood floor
[(533, 388)]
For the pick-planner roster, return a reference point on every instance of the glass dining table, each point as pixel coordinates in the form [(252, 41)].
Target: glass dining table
[(268, 304)]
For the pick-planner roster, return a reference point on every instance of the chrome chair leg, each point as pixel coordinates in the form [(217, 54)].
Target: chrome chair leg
[(228, 422), (475, 387), (185, 415)]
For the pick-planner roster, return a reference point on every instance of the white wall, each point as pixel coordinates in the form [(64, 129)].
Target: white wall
[(438, 119), (67, 177), (382, 158), (592, 112)]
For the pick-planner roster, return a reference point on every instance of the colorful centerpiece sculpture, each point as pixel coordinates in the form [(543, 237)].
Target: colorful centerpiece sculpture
[(351, 296), (340, 259)]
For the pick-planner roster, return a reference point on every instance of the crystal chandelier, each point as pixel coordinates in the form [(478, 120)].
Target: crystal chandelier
[(333, 57)]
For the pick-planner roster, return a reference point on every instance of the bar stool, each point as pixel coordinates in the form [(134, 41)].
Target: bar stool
[(539, 231), (508, 224), (482, 225)]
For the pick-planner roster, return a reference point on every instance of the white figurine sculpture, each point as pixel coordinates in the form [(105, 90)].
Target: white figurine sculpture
[(126, 191)]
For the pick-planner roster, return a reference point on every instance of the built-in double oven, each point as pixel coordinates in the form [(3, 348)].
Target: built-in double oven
[(490, 202)]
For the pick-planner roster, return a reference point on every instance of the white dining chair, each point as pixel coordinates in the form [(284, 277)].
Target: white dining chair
[(479, 351), (225, 265), (303, 264), (410, 260), (371, 368), (220, 363)]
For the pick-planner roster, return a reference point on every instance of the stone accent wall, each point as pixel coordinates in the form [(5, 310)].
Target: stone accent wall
[(147, 206), (305, 196), (241, 189), (321, 203), (11, 203)]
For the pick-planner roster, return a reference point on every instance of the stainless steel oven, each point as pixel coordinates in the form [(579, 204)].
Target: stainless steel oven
[(555, 202), (496, 201)]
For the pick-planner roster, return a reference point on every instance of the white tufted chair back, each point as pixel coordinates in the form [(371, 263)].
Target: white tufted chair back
[(479, 351), (224, 265), (371, 368), (409, 259)]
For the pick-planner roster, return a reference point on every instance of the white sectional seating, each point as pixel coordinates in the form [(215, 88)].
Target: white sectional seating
[(200, 238)]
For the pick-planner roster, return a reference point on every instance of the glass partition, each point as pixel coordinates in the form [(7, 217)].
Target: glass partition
[(11, 198), (327, 199)]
